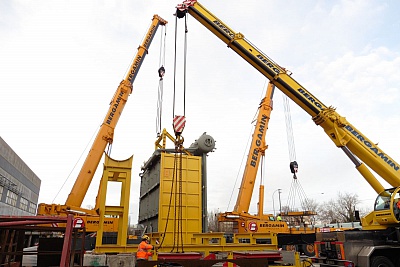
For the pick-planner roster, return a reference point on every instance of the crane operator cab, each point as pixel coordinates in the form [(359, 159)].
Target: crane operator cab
[(387, 206)]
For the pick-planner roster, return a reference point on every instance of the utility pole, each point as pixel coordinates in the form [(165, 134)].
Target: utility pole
[(280, 205), (273, 202)]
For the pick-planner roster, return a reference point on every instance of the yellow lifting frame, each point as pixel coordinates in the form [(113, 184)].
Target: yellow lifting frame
[(114, 171)]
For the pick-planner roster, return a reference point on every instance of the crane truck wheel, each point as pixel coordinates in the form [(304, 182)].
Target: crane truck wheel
[(308, 250), (381, 261)]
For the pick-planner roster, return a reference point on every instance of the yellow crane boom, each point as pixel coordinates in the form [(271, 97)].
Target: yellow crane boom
[(256, 151), (105, 134), (345, 136)]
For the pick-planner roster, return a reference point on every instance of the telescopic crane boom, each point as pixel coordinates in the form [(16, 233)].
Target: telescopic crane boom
[(257, 150), (339, 130)]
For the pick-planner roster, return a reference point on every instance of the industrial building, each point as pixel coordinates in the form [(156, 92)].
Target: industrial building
[(19, 185)]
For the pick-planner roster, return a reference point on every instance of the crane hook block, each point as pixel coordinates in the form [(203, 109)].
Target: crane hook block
[(179, 124), (293, 167), (180, 13), (161, 72)]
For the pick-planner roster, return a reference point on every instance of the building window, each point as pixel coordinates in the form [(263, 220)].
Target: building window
[(23, 204), (1, 191), (11, 198), (32, 208)]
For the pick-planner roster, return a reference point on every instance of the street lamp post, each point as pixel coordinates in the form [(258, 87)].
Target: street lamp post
[(280, 206), (273, 202)]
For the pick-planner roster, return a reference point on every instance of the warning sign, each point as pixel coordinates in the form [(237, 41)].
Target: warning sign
[(253, 226), (78, 222)]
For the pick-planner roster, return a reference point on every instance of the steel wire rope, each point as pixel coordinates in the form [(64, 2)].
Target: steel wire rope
[(291, 201), (169, 209), (184, 66), (76, 163), (240, 167), (289, 129), (177, 177), (174, 168), (161, 72), (159, 108), (180, 203), (175, 44), (296, 190), (178, 229)]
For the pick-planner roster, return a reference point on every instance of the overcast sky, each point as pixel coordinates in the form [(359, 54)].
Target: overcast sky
[(61, 62)]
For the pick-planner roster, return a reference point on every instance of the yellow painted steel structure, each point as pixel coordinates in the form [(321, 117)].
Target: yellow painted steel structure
[(104, 137), (216, 242), (114, 172), (190, 206)]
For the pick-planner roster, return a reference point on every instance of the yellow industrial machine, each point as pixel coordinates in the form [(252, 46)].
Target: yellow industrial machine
[(104, 137), (300, 238), (171, 195), (381, 228)]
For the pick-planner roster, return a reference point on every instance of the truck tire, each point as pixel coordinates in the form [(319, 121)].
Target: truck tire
[(308, 250), (381, 261)]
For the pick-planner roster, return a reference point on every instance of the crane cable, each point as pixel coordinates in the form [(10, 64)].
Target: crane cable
[(296, 189), (184, 66), (179, 150), (177, 234), (178, 229), (289, 130), (161, 72)]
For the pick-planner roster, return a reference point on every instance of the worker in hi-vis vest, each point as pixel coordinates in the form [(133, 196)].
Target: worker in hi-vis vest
[(145, 249)]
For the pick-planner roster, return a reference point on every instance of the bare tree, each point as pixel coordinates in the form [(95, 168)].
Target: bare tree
[(327, 212), (213, 220), (347, 205), (310, 205), (286, 209), (340, 210)]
